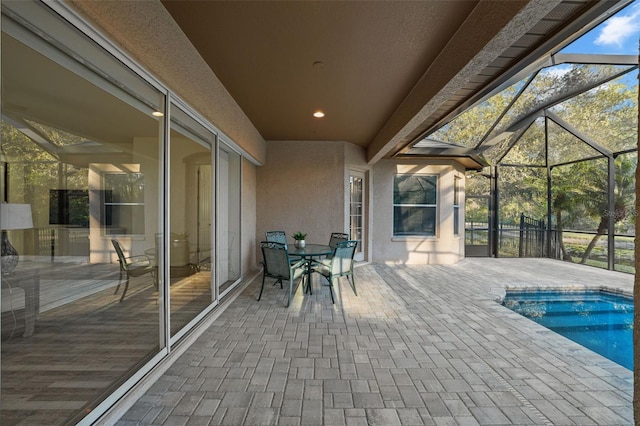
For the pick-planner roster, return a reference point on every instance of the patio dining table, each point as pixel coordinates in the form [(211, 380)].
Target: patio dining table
[(308, 252)]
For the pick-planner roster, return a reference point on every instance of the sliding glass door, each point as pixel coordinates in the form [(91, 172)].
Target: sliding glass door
[(228, 231), (81, 162), (189, 242)]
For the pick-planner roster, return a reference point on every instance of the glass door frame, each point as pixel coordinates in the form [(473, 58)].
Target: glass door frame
[(362, 247)]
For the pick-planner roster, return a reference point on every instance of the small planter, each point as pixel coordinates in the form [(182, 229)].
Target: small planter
[(299, 241)]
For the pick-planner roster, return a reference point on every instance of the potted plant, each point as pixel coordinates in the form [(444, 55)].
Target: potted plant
[(299, 239)]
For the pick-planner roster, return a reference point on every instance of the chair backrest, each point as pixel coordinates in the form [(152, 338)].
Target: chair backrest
[(342, 261), (121, 257), (336, 237), (276, 258), (276, 236)]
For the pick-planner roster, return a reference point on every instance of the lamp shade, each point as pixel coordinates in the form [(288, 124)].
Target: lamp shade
[(15, 216)]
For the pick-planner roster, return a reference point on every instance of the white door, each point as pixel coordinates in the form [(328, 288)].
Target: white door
[(357, 207)]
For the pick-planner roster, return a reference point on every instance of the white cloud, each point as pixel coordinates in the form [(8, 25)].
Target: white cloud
[(618, 29), (558, 71)]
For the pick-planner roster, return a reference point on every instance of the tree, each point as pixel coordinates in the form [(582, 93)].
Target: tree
[(623, 199)]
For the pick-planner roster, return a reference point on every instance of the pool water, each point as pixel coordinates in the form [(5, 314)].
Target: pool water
[(600, 321)]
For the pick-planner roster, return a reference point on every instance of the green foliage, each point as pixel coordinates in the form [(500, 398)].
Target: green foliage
[(34, 169), (299, 236), (606, 115)]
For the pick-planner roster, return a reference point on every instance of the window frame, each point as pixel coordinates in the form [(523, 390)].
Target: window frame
[(107, 229), (431, 206)]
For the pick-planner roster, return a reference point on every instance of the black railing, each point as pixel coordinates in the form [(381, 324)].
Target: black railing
[(530, 238)]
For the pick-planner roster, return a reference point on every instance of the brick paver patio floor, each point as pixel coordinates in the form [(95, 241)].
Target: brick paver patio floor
[(420, 345)]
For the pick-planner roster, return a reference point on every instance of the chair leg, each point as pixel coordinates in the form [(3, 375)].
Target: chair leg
[(352, 281), (331, 289), (307, 278), (126, 287), (290, 291), (119, 282), (261, 287)]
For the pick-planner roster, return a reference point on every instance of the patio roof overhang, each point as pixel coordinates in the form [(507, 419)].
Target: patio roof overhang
[(385, 73)]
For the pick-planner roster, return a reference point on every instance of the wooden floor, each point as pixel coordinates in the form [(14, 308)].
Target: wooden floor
[(80, 350), (83, 348)]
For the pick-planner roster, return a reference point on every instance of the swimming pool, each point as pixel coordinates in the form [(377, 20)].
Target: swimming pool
[(600, 321)]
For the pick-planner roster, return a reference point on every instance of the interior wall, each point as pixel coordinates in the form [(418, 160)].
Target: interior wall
[(444, 247), (300, 188)]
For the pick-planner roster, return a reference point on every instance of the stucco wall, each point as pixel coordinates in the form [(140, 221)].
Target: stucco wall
[(444, 247), (301, 188)]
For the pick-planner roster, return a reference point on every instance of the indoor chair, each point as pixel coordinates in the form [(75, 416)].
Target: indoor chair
[(133, 266)]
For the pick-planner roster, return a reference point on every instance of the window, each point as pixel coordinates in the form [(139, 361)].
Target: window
[(123, 197), (414, 205), (456, 205)]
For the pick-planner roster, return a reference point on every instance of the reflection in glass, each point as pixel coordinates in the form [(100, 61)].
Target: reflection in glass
[(229, 169), (86, 161), (190, 230), (123, 198)]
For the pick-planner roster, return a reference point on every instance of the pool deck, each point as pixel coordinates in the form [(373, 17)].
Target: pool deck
[(420, 345)]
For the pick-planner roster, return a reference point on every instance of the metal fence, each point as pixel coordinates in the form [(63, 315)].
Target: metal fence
[(530, 238)]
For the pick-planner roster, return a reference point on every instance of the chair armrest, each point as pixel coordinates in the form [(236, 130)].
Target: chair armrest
[(141, 258)]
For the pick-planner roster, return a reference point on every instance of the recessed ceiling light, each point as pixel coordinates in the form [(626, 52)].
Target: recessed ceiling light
[(318, 114), (157, 114)]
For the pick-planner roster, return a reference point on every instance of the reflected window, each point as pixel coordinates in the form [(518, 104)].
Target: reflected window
[(123, 201)]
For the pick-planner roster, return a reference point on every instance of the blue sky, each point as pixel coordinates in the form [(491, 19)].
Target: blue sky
[(617, 36)]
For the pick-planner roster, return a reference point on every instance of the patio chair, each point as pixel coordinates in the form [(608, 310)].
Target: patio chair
[(277, 264), (280, 237), (336, 237), (340, 265), (276, 236), (133, 266)]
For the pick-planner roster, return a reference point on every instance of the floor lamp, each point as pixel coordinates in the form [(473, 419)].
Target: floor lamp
[(12, 216)]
